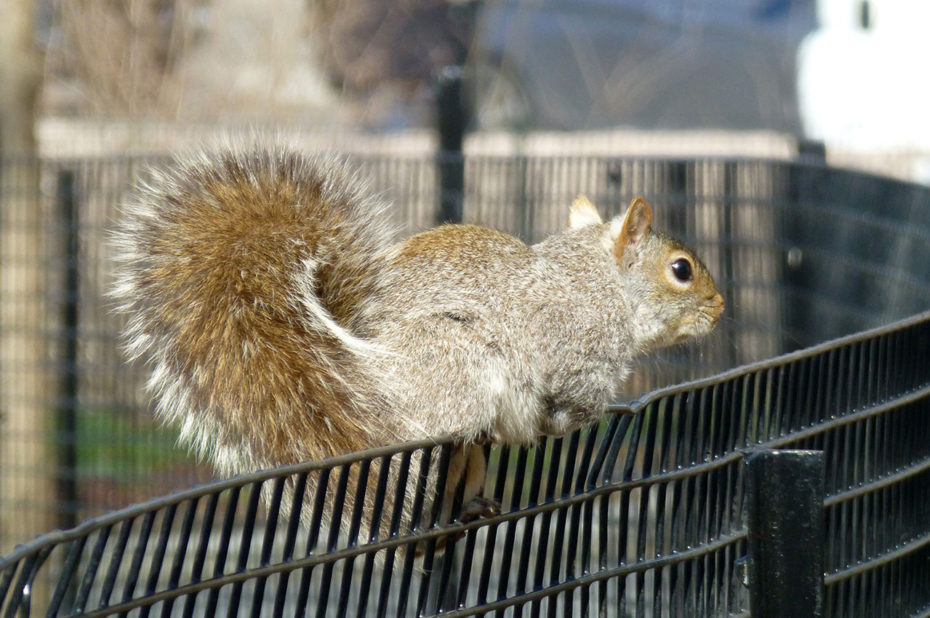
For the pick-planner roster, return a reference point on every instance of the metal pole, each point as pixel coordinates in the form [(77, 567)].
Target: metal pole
[(785, 491), (452, 119), (68, 384)]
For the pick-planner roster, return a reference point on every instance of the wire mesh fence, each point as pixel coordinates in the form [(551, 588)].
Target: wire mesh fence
[(641, 515)]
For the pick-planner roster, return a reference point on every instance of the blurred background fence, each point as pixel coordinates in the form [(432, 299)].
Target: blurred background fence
[(803, 253)]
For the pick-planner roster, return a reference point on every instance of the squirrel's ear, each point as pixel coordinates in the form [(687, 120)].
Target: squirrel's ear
[(628, 232), (583, 213)]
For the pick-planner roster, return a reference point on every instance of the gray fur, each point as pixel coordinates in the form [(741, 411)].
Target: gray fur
[(459, 331)]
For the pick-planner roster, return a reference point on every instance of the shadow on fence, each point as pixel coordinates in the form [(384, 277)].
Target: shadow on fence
[(656, 511)]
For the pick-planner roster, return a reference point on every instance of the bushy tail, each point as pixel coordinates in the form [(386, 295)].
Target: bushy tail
[(246, 276)]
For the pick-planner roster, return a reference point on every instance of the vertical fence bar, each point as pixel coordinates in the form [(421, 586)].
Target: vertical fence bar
[(785, 492), (452, 118), (68, 383)]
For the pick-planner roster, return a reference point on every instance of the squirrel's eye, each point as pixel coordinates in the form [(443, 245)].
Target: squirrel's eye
[(681, 268)]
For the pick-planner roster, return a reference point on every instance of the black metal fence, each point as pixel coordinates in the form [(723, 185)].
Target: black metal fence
[(654, 513)]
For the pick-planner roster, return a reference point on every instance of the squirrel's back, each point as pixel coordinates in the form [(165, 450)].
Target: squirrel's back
[(246, 277)]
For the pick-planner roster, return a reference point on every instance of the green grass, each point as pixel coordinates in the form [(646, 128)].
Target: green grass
[(121, 443)]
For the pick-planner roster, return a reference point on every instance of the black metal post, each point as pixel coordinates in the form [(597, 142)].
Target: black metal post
[(452, 119), (729, 257), (802, 183), (679, 195), (68, 383), (785, 492), (812, 151)]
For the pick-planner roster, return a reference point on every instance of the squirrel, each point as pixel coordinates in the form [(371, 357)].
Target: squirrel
[(283, 321)]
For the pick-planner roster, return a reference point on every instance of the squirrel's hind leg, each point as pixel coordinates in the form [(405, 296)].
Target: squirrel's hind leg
[(467, 471)]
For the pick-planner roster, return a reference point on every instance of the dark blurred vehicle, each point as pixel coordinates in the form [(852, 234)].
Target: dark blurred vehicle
[(670, 64)]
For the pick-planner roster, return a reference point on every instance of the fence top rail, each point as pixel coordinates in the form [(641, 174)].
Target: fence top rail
[(52, 539), (771, 363), (434, 156), (59, 537)]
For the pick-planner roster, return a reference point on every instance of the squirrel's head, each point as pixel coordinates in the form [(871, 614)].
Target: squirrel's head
[(671, 294)]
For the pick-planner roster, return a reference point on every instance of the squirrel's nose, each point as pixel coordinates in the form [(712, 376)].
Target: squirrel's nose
[(717, 306)]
